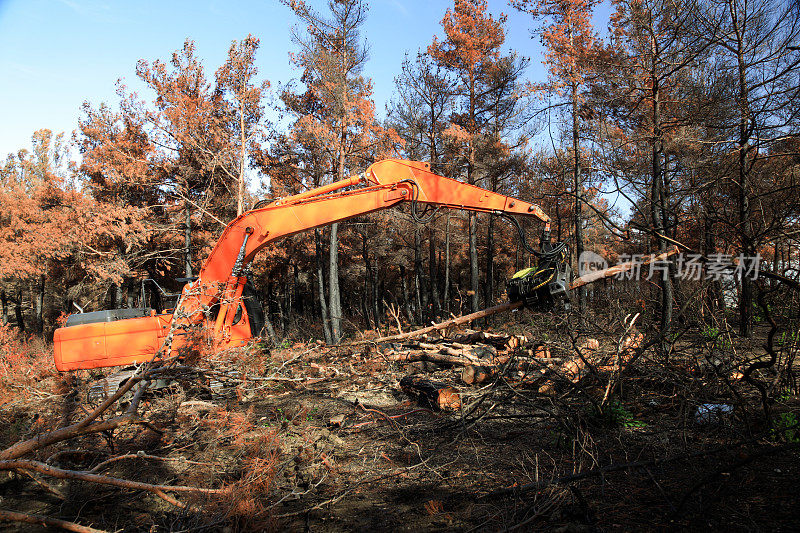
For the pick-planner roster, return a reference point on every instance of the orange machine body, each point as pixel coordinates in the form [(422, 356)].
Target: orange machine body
[(221, 280), (130, 341)]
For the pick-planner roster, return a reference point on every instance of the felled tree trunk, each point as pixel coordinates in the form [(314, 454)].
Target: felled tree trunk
[(431, 394), (475, 374)]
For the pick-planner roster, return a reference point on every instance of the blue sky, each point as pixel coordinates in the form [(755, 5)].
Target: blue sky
[(56, 54)]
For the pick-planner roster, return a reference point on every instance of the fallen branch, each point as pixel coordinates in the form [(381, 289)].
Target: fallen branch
[(457, 321), (388, 417), (13, 516), (145, 456), (84, 426), (60, 473)]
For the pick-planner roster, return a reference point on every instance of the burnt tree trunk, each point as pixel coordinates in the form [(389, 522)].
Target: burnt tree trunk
[(18, 312), (446, 296), (323, 306), (187, 238), (715, 299), (418, 277), (335, 305), (130, 293), (406, 299), (40, 305), (489, 286), (279, 303), (473, 262), (658, 212), (4, 301), (577, 188), (298, 298), (364, 309), (434, 294), (370, 286)]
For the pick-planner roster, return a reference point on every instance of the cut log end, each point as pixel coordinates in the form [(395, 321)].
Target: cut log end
[(474, 374), (439, 396)]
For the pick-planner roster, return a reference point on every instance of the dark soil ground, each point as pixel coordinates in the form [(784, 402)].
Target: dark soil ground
[(341, 448)]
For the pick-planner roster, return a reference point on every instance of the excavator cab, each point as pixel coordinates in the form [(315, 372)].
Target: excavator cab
[(120, 337)]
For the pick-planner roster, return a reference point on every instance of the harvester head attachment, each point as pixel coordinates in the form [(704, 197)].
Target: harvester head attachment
[(542, 287)]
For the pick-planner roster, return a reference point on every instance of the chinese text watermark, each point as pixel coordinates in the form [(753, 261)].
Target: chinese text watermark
[(684, 266)]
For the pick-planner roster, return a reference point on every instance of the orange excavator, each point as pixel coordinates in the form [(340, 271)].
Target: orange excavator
[(216, 303)]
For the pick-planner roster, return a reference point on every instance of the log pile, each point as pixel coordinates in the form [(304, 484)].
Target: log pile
[(483, 356), (475, 357), (472, 358)]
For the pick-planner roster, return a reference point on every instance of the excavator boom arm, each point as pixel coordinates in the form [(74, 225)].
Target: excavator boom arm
[(215, 295), (389, 182)]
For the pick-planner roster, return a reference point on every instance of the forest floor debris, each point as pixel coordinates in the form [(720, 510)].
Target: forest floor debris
[(503, 429)]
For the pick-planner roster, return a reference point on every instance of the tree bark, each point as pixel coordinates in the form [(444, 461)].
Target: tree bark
[(433, 277), (323, 306), (489, 286), (446, 295), (335, 302), (40, 305), (187, 238), (577, 187), (418, 277), (658, 208), (4, 301)]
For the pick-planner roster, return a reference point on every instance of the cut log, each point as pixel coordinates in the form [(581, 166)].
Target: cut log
[(499, 342), (431, 394), (542, 352), (431, 357), (576, 368), (477, 351), (475, 374)]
